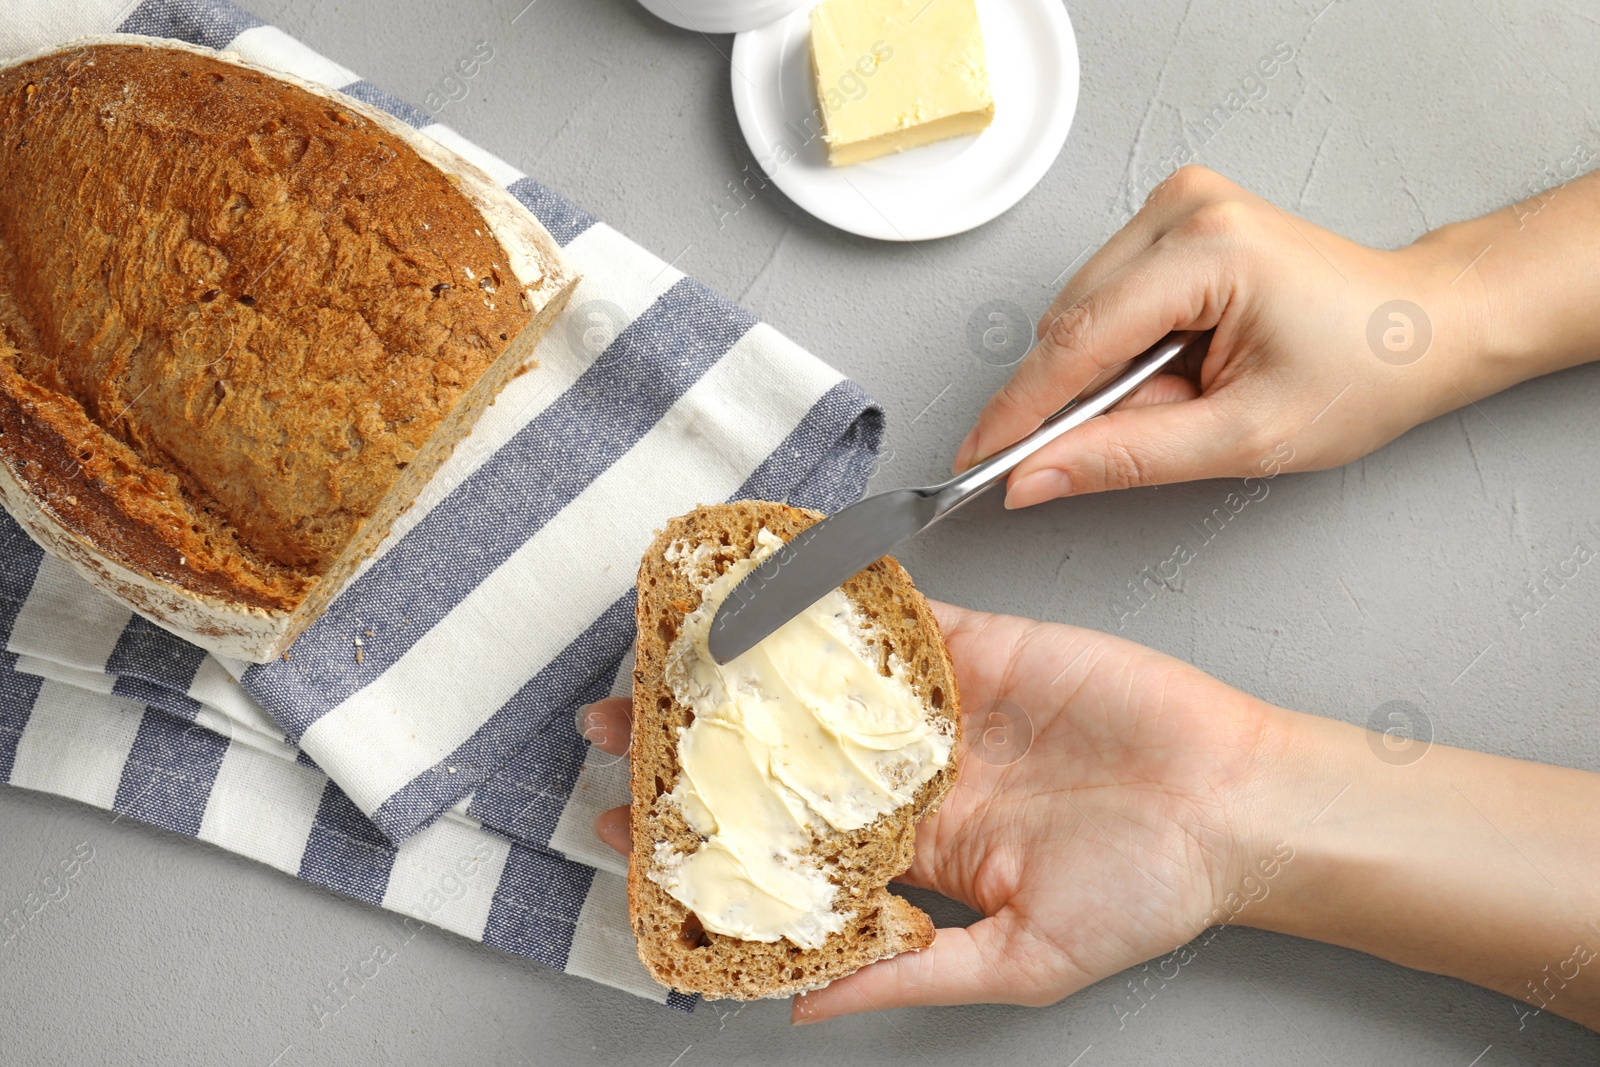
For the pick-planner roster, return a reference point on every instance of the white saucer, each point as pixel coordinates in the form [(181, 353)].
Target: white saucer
[(933, 191)]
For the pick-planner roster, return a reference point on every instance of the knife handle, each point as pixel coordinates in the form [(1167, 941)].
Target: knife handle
[(963, 487)]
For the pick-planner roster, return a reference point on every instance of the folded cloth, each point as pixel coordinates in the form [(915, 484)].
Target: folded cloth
[(258, 801), (436, 697)]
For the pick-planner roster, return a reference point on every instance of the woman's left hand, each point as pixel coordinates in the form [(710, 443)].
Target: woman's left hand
[(1091, 822)]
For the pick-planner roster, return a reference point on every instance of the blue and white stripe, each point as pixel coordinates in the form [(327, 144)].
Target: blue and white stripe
[(498, 605)]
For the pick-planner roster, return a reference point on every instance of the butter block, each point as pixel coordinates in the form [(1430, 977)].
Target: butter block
[(896, 74)]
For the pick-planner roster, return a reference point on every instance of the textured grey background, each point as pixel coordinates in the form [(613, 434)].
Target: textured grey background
[(1340, 591)]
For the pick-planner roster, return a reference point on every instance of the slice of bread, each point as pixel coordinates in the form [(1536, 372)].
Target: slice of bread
[(673, 944)]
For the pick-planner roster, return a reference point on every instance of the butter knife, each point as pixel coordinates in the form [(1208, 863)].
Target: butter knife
[(825, 555)]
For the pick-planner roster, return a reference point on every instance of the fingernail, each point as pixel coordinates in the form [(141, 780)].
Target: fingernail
[(964, 454), (1038, 487), (594, 728), (613, 828), (801, 1014)]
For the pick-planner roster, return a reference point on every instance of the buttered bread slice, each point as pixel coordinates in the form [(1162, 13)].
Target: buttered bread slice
[(775, 797)]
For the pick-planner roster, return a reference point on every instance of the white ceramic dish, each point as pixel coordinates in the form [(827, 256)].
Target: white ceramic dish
[(720, 16), (933, 191)]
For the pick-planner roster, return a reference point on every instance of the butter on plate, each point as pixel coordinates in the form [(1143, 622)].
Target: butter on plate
[(897, 74)]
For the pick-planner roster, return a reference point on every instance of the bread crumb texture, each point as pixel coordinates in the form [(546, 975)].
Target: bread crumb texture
[(676, 949), (232, 313)]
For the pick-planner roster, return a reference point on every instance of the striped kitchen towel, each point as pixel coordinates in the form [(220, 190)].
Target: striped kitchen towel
[(254, 798), (435, 700)]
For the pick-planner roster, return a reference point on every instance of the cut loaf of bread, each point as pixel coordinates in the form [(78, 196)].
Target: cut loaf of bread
[(243, 319), (673, 945)]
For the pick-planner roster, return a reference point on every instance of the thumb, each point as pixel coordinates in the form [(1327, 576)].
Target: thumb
[(1154, 444), (962, 966)]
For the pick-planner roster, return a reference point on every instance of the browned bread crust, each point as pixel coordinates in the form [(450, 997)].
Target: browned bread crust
[(241, 320), (675, 948)]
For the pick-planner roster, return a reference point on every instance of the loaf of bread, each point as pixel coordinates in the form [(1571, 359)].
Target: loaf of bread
[(243, 319), (673, 942)]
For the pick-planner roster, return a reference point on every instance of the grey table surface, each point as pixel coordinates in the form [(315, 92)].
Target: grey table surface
[(1340, 591)]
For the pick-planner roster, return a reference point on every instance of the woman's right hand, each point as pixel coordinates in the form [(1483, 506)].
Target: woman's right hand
[(1312, 363)]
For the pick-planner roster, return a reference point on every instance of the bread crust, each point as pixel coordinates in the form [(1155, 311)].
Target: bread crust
[(673, 946), (228, 488)]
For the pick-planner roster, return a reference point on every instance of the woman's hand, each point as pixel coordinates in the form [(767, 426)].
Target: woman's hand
[(1092, 822), (1114, 802), (1323, 351)]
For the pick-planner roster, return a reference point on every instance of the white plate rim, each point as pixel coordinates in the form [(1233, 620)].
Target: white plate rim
[(754, 53), (719, 16)]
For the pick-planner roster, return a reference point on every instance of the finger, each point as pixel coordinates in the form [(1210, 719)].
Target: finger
[(952, 617), (608, 725), (1188, 367), (615, 829), (1154, 444), (1134, 238), (1162, 389), (962, 966), (1176, 286), (1171, 201)]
